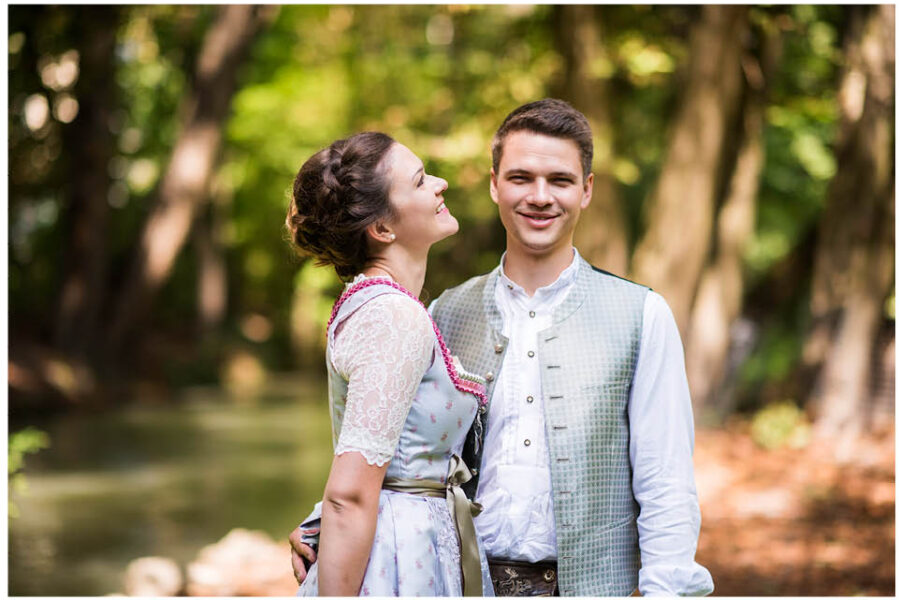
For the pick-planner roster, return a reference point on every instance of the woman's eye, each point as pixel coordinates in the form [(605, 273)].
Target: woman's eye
[(421, 182)]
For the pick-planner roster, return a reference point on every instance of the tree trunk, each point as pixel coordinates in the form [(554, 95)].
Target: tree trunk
[(601, 236), (854, 263), (674, 248), (720, 293), (212, 273), (90, 146), (185, 183)]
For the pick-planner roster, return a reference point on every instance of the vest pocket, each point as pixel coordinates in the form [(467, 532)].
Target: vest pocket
[(615, 390), (606, 527), (604, 401)]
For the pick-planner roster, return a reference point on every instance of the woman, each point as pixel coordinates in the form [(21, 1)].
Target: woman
[(394, 521)]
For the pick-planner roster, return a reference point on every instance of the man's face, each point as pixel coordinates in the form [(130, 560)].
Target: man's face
[(540, 191)]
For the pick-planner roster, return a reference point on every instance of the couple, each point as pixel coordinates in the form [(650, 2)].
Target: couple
[(566, 414)]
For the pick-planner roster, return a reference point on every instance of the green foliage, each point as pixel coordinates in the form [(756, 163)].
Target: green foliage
[(21, 443), (773, 358), (780, 424), (801, 122), (439, 79)]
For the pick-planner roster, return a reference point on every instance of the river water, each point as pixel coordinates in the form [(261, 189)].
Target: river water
[(164, 481)]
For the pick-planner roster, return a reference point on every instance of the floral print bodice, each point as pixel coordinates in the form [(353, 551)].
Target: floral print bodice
[(395, 392)]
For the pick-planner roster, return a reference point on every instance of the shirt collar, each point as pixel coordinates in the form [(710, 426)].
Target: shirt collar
[(565, 279)]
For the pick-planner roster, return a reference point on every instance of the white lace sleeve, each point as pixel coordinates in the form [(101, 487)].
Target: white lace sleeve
[(382, 350)]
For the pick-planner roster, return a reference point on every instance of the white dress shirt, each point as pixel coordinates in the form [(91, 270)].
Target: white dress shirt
[(515, 490)]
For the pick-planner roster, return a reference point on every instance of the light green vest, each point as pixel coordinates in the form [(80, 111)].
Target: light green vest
[(587, 361)]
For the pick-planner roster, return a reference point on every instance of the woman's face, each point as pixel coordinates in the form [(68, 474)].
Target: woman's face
[(420, 217)]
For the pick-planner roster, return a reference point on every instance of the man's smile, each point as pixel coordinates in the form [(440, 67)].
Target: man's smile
[(538, 220)]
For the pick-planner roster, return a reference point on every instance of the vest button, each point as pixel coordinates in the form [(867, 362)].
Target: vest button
[(531, 354), (498, 348), (549, 575), (527, 442), (529, 399), (489, 375)]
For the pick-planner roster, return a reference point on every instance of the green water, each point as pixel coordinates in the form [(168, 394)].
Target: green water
[(164, 481)]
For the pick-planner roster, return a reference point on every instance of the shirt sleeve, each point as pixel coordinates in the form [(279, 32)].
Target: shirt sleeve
[(311, 526), (382, 350), (661, 448)]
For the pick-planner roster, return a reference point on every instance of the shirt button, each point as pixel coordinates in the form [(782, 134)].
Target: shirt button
[(481, 410), (509, 286), (489, 375), (527, 442), (531, 314), (531, 354), (529, 399), (498, 348)]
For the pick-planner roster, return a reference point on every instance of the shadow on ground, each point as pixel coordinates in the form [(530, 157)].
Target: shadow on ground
[(796, 522)]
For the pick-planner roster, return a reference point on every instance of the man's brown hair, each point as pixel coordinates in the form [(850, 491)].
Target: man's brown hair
[(551, 117)]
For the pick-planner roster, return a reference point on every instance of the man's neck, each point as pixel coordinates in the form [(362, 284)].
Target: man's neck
[(536, 271)]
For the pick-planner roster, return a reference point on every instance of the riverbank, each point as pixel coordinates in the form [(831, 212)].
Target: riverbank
[(787, 521)]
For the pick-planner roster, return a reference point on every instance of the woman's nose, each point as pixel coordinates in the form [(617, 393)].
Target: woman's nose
[(441, 187)]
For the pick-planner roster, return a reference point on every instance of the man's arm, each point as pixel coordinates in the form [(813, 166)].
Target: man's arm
[(661, 448)]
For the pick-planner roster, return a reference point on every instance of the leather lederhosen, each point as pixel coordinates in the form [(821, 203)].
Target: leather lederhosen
[(524, 579)]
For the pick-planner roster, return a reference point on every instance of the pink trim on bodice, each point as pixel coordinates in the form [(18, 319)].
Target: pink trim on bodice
[(463, 385)]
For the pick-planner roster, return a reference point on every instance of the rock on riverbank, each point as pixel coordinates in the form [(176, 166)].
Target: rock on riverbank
[(243, 563)]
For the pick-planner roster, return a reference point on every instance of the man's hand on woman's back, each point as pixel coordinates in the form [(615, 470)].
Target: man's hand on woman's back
[(302, 555)]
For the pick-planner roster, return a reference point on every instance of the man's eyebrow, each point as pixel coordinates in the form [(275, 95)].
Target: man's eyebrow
[(420, 170), (515, 172)]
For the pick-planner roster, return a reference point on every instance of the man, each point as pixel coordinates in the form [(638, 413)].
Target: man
[(585, 466)]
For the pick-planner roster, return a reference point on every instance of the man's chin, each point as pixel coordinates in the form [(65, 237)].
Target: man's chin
[(538, 248)]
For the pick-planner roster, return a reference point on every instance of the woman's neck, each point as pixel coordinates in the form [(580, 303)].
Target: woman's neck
[(403, 268)]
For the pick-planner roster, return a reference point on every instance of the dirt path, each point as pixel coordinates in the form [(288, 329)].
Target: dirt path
[(795, 522)]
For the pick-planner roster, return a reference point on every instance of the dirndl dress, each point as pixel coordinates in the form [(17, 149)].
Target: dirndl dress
[(396, 394)]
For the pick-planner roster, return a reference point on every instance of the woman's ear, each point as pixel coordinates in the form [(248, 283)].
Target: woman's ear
[(380, 232)]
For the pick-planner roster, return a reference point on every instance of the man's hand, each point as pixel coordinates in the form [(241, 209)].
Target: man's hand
[(301, 552)]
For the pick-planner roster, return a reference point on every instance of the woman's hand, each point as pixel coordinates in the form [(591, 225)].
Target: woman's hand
[(349, 514)]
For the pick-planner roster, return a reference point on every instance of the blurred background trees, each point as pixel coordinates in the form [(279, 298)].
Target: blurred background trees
[(744, 168)]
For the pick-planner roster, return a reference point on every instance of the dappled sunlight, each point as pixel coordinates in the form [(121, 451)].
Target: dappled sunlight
[(778, 522), (36, 111), (159, 317)]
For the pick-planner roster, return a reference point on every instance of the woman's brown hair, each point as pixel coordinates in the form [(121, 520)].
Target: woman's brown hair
[(337, 194)]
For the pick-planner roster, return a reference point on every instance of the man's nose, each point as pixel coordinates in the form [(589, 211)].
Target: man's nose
[(540, 195)]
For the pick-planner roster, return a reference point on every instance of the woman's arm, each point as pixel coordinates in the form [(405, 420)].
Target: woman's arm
[(349, 512), (382, 350)]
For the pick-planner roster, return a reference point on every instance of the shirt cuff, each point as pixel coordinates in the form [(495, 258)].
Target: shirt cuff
[(311, 526), (670, 580)]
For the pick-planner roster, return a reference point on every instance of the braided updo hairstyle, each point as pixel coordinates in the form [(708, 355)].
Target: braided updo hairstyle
[(337, 194)]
